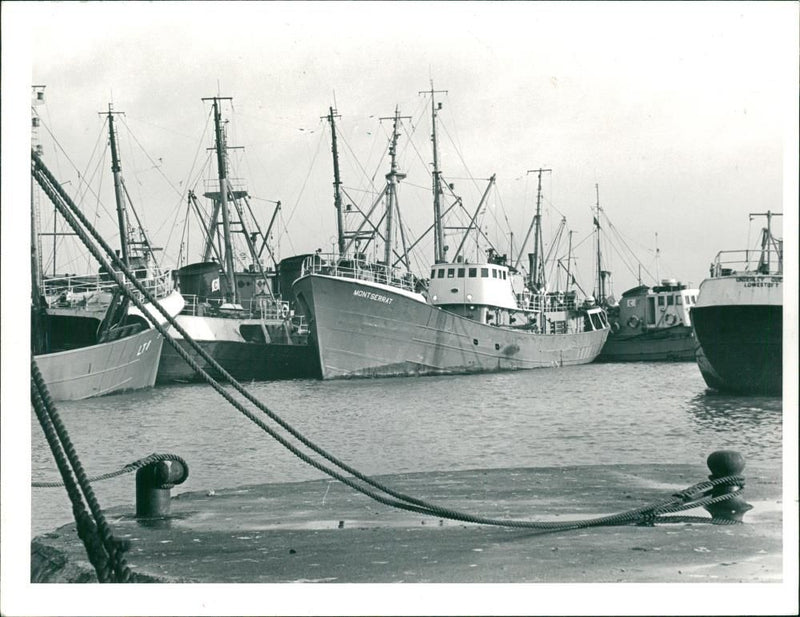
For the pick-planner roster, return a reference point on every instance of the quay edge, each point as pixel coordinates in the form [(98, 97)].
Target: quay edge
[(322, 531)]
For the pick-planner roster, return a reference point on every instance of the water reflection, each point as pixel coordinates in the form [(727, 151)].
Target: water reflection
[(755, 420)]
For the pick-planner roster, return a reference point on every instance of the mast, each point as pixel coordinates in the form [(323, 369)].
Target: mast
[(438, 232), (603, 276), (36, 254), (658, 255), (767, 239), (393, 177), (337, 195), (265, 243), (600, 291), (474, 217), (222, 172), (119, 193), (537, 278), (569, 259)]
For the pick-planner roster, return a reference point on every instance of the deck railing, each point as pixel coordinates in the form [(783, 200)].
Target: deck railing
[(62, 288), (358, 269), (547, 302), (259, 307), (756, 261)]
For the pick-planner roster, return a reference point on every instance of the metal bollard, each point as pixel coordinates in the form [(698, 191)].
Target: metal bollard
[(726, 463), (153, 485)]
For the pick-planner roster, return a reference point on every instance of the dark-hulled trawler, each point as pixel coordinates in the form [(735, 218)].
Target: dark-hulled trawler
[(234, 314), (738, 319)]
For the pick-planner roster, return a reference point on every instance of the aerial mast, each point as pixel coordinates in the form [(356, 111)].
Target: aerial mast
[(337, 195), (767, 240), (36, 254), (600, 293), (393, 177), (602, 275), (438, 233), (222, 172), (119, 192), (537, 278), (569, 260)]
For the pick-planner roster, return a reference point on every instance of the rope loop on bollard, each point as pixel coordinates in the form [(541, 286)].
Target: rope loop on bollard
[(129, 468)]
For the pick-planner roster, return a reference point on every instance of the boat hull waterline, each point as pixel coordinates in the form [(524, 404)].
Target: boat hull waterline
[(675, 344), (369, 330), (244, 360)]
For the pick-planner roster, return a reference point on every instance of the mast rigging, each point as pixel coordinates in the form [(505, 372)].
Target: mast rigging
[(438, 233)]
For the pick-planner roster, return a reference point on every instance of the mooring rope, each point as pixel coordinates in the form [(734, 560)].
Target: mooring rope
[(129, 468), (399, 500), (105, 552)]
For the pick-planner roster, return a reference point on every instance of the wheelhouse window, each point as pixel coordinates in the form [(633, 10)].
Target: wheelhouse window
[(661, 301), (494, 273), (441, 274), (473, 272), (451, 272), (670, 300), (433, 274), (678, 299), (484, 273), (504, 275), (461, 273)]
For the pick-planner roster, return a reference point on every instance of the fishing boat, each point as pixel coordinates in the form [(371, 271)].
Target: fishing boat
[(738, 318), (86, 337), (233, 313), (370, 318), (649, 323)]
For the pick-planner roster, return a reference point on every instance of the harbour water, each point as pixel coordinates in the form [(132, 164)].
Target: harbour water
[(592, 414)]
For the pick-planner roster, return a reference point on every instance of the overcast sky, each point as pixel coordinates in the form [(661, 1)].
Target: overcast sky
[(680, 113)]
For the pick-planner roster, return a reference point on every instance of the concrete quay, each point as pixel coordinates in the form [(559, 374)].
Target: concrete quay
[(323, 531)]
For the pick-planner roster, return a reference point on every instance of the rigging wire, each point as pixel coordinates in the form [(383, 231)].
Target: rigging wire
[(379, 492), (305, 182)]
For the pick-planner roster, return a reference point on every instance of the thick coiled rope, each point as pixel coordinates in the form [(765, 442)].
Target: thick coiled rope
[(394, 499)]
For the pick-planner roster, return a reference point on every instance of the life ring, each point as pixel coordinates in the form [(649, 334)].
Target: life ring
[(615, 327), (670, 319), (285, 311), (633, 322)]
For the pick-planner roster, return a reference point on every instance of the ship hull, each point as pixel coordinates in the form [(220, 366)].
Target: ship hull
[(244, 360), (742, 348), (738, 323), (674, 344), (125, 364), (363, 330)]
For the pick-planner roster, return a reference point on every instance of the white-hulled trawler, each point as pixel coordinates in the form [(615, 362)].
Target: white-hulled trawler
[(370, 319), (738, 319), (367, 321), (86, 337)]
